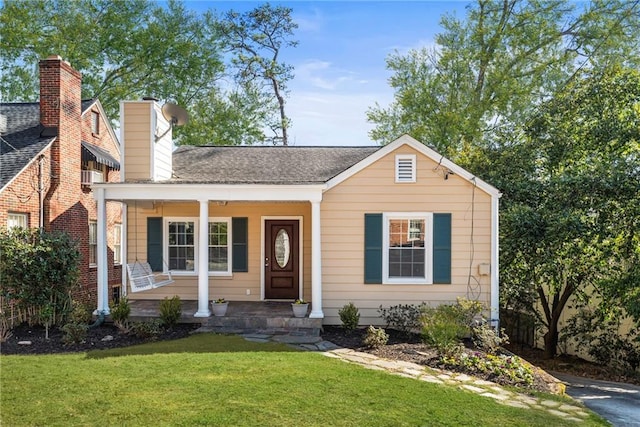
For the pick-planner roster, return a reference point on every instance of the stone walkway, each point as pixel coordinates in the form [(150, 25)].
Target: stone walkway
[(484, 388)]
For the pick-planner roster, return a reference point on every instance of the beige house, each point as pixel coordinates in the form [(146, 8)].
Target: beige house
[(384, 225)]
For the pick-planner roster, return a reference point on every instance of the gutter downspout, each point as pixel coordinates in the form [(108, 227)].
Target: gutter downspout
[(495, 276)]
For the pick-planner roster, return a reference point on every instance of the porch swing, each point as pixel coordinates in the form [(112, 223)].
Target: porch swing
[(141, 276)]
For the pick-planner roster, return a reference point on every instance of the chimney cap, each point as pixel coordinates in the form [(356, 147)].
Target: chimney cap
[(58, 57), (150, 98)]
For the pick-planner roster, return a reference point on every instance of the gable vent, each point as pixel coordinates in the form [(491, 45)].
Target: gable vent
[(406, 168)]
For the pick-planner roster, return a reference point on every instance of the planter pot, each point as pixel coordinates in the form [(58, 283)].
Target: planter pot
[(219, 308), (299, 310)]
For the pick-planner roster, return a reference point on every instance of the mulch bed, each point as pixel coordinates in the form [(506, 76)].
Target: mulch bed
[(399, 347), (97, 339)]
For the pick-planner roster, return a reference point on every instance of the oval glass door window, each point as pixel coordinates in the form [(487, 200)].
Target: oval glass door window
[(283, 248)]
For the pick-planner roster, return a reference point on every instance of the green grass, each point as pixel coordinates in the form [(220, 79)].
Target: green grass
[(224, 380)]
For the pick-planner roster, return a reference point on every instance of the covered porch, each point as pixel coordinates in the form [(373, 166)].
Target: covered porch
[(197, 279), (267, 317)]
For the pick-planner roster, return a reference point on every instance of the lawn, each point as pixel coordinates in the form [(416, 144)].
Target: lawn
[(224, 380)]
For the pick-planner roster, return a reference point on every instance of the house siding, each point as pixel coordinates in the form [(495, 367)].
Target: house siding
[(135, 137), (232, 288), (373, 190)]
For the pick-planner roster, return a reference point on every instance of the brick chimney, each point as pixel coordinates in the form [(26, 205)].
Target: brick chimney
[(60, 114)]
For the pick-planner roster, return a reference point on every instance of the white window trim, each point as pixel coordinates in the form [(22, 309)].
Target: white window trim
[(428, 247), (115, 261), (401, 157), (22, 219), (196, 252), (93, 264), (229, 272)]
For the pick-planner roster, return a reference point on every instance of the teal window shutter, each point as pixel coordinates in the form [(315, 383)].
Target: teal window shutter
[(240, 240), (442, 248), (373, 248), (154, 243)]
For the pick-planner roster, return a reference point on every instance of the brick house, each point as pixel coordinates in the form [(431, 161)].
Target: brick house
[(52, 151)]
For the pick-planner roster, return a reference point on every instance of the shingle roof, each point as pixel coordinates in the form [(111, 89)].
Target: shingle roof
[(264, 165), (20, 139)]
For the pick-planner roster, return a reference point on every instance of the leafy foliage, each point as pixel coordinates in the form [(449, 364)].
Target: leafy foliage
[(127, 49), (349, 316), (170, 310), (403, 317), (375, 337), (487, 339), (120, 313), (39, 273), (74, 333), (149, 329)]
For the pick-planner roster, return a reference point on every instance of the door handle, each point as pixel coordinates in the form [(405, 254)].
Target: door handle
[(266, 262)]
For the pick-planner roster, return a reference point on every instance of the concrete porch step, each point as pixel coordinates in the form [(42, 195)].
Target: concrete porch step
[(274, 325)]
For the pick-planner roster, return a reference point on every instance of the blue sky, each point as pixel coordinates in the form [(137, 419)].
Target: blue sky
[(340, 62)]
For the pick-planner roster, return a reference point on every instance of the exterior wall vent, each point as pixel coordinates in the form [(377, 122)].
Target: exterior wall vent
[(406, 168)]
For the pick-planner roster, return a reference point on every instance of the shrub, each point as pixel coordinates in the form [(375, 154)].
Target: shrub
[(375, 337), (5, 328), (443, 328), (150, 329), (170, 310), (80, 313), (506, 369), (38, 270), (486, 339), (349, 316), (74, 333), (404, 317), (120, 313)]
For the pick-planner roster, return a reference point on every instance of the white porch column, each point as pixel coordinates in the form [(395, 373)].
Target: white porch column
[(203, 261), (101, 255), (316, 263)]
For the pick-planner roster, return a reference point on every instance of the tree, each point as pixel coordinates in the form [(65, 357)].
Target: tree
[(125, 49), (577, 234), (492, 69), (256, 40)]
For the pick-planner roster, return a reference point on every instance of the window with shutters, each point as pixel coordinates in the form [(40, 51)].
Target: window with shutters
[(181, 245), (406, 168), (407, 247)]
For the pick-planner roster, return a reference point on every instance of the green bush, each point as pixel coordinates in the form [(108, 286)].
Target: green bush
[(349, 316), (170, 310), (504, 369), (443, 329), (74, 333), (487, 339), (120, 313), (404, 317), (375, 337), (81, 313), (39, 272), (149, 329)]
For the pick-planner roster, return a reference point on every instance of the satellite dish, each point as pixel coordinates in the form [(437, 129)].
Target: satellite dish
[(175, 114)]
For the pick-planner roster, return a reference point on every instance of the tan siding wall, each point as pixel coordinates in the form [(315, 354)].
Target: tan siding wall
[(374, 190), (232, 288), (137, 156)]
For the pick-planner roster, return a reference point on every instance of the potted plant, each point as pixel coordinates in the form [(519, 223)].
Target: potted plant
[(300, 307), (219, 307)]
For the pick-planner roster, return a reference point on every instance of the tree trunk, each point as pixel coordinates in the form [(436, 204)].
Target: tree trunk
[(551, 339)]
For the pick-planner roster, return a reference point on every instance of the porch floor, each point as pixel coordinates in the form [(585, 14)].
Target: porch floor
[(268, 317)]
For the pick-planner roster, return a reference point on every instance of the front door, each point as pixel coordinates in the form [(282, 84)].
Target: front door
[(281, 263)]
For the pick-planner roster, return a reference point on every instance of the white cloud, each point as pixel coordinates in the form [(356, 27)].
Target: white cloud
[(328, 118)]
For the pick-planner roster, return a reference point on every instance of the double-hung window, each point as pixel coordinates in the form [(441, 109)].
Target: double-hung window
[(93, 243), (117, 244), (181, 245), (219, 247), (407, 246), (17, 220)]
